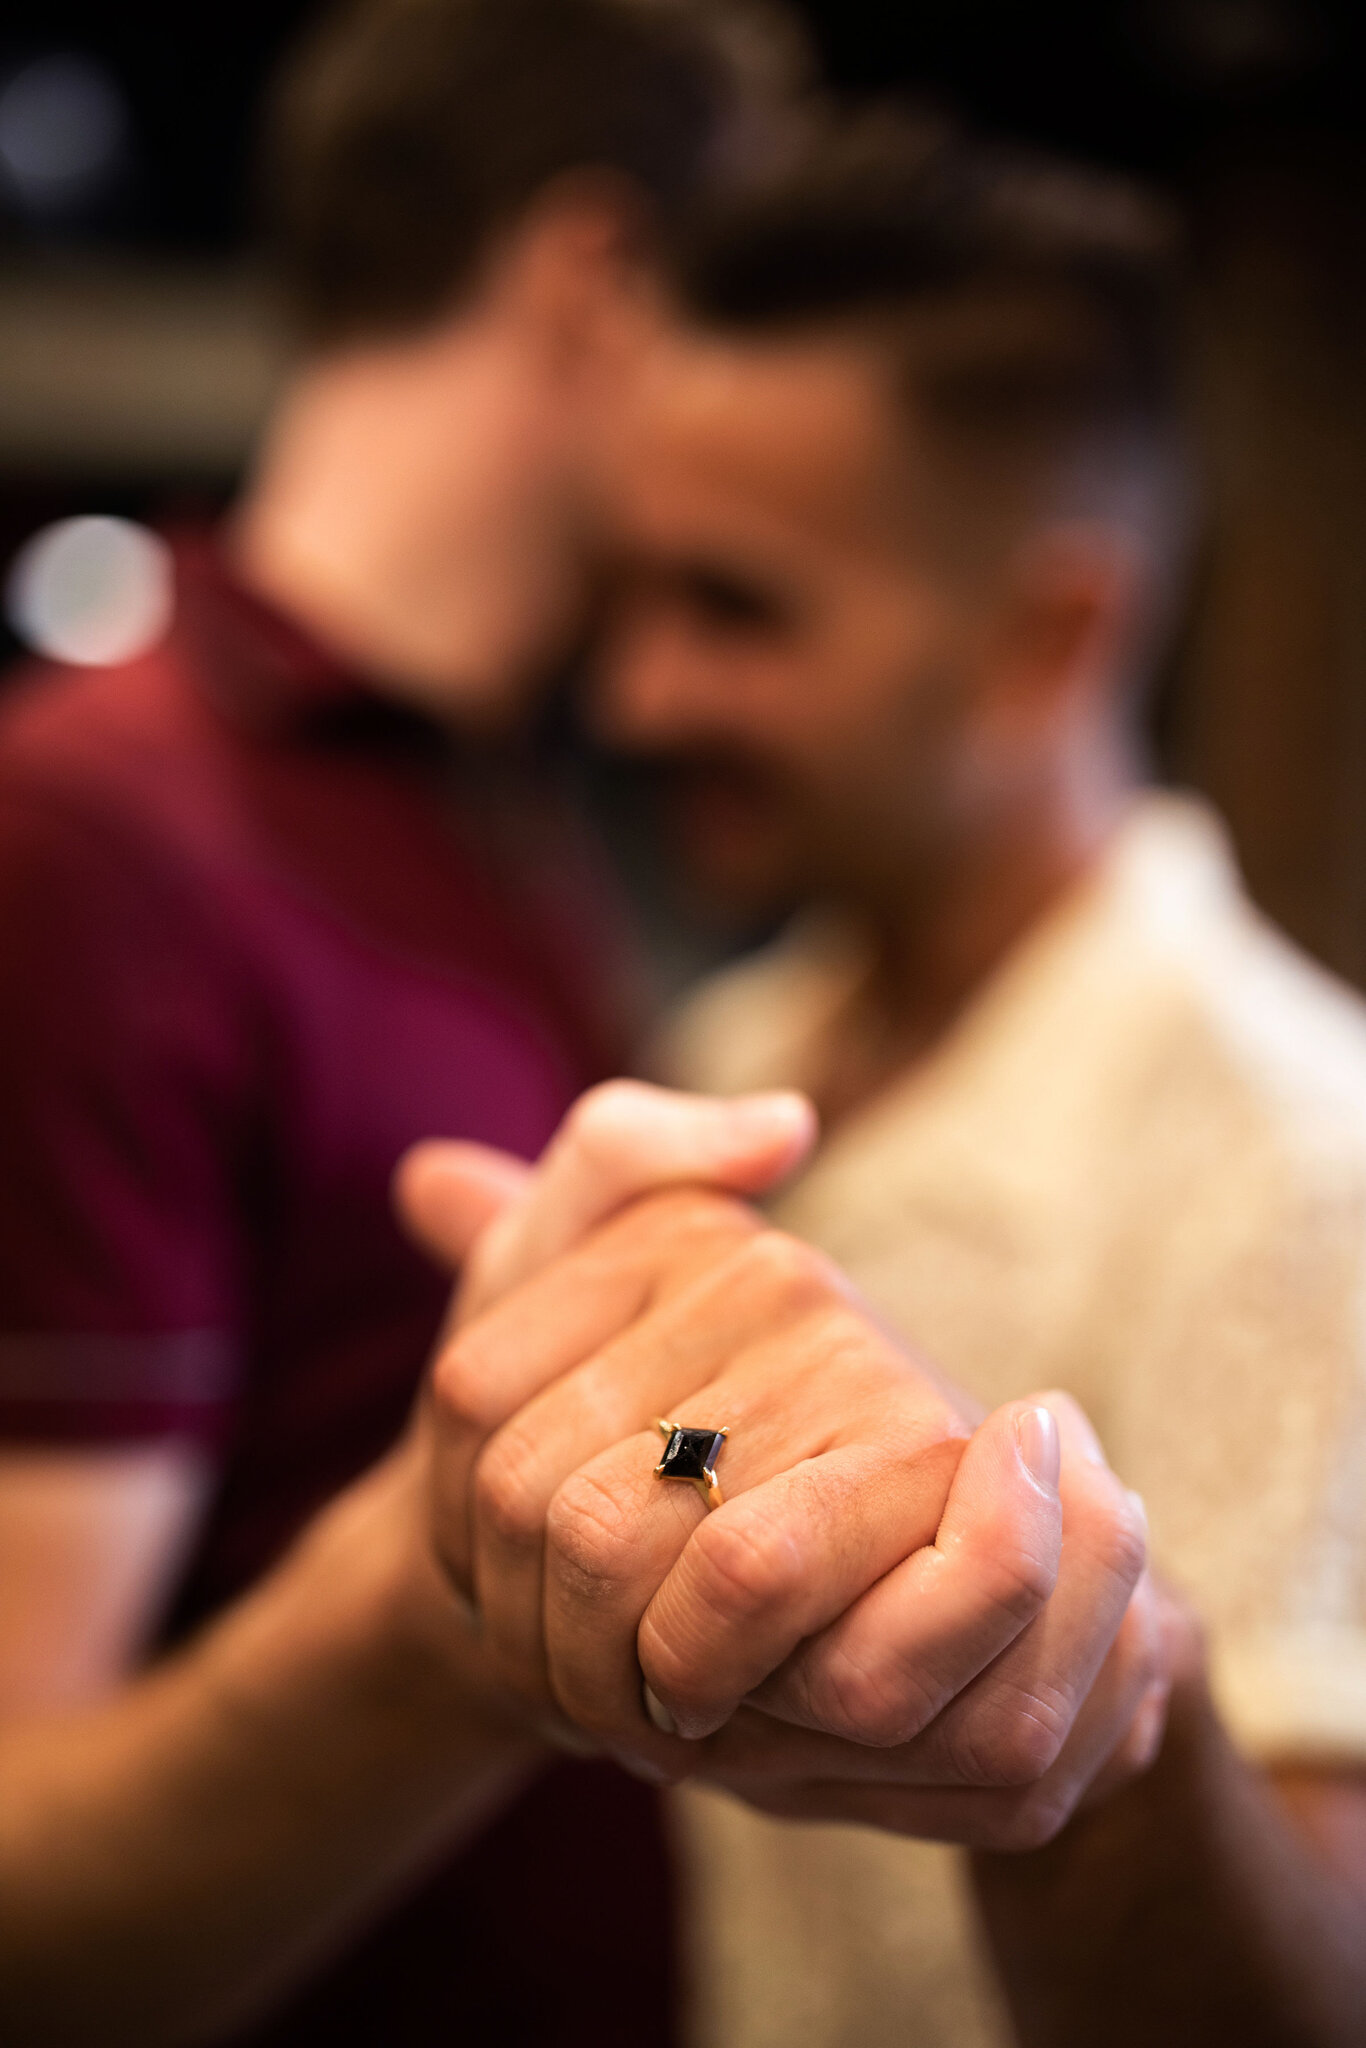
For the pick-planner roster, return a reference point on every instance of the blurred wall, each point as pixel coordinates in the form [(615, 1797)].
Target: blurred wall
[(1268, 710)]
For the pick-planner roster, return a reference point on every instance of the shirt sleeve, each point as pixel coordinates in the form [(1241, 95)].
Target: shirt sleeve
[(1246, 1432), (122, 1134)]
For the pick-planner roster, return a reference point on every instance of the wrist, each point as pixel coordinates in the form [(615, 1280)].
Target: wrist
[(416, 1639), (361, 1614)]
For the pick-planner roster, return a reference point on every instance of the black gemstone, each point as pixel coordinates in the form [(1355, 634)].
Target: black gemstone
[(691, 1453)]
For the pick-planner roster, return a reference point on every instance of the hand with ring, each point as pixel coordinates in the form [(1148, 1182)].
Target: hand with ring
[(899, 1613)]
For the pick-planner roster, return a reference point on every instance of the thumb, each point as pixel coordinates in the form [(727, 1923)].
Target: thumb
[(445, 1191)]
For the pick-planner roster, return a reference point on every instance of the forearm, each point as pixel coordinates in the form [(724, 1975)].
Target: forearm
[(169, 1860), (1186, 1910)]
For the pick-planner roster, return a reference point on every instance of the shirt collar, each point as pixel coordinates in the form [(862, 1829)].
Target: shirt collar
[(1053, 1033), (258, 668), (1166, 890)]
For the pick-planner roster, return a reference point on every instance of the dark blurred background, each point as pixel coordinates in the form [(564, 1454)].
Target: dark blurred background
[(139, 349)]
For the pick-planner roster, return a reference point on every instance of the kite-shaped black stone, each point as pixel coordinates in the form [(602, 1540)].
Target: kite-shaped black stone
[(691, 1454)]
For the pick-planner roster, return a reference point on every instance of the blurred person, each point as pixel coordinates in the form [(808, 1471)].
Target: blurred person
[(275, 901), (903, 512), (265, 919)]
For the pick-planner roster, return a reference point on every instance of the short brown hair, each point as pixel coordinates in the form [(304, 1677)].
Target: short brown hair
[(1028, 303), (405, 133)]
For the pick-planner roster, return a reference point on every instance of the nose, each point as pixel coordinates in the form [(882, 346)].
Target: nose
[(653, 687)]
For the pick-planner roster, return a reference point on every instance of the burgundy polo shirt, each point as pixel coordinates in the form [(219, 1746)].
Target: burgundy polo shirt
[(262, 928)]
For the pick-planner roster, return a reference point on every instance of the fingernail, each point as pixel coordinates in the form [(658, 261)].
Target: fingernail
[(697, 1727), (1036, 1434), (570, 1739), (1149, 1728), (781, 1111), (639, 1767), (668, 1723), (659, 1713), (1140, 1508)]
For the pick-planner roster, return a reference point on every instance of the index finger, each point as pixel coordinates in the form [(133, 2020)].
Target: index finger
[(493, 1367)]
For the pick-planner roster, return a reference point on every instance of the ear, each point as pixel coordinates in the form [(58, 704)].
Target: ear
[(1072, 597), (1076, 592), (572, 271)]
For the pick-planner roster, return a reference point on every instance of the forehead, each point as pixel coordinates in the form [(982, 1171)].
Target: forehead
[(787, 439)]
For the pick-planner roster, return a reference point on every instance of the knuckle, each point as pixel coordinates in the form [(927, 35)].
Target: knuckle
[(450, 1548), (463, 1385), (670, 1661), (688, 1228), (1119, 1539), (482, 1271), (925, 1427), (590, 1533), (686, 1213), (877, 1704), (1031, 1822), (507, 1500), (796, 1273), (1030, 1749), (1139, 1640), (745, 1563), (602, 1121), (581, 1702), (1142, 1739), (1014, 1582), (1009, 1739), (1139, 1648)]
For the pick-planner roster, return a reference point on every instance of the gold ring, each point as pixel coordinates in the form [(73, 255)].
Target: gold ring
[(691, 1454)]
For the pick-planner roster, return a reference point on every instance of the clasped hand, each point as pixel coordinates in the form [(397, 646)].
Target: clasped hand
[(903, 1613)]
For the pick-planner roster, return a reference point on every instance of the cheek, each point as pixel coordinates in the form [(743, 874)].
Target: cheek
[(895, 681), (842, 697)]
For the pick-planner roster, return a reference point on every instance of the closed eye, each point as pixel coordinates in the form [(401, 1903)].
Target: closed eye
[(718, 598)]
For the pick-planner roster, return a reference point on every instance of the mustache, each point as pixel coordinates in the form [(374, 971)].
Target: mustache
[(679, 772)]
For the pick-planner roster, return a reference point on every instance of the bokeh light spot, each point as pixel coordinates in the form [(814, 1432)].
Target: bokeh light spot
[(64, 130), (91, 590)]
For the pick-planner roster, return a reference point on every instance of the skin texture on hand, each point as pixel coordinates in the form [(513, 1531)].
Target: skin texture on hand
[(900, 1615)]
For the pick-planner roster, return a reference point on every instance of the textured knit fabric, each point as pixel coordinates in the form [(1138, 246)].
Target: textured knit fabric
[(1135, 1169)]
